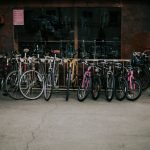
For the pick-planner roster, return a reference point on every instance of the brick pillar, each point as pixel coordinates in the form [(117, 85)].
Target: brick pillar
[(6, 30)]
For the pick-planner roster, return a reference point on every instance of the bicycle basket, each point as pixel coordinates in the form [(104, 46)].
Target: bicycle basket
[(137, 60)]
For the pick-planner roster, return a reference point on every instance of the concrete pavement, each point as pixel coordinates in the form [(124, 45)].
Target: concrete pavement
[(72, 125)]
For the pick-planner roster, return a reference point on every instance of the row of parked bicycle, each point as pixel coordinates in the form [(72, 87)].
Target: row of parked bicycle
[(122, 80), (31, 77)]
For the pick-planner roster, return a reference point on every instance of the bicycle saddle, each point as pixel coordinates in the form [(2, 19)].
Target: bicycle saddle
[(55, 51), (26, 50)]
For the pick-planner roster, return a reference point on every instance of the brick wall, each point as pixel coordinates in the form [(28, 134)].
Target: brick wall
[(135, 28), (6, 30)]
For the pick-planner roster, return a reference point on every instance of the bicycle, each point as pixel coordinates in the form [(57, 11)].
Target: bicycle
[(109, 83), (51, 74), (31, 83), (120, 82), (86, 85), (134, 88), (100, 80), (37, 80), (72, 75), (97, 82), (140, 60), (12, 80)]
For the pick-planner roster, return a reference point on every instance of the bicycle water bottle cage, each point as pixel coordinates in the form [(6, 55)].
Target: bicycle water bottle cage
[(26, 50), (56, 51)]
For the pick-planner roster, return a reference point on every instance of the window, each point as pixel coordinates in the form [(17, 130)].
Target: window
[(94, 32)]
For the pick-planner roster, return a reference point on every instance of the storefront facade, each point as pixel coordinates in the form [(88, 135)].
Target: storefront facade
[(112, 29)]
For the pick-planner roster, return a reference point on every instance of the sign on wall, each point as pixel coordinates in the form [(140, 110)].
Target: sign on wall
[(18, 17)]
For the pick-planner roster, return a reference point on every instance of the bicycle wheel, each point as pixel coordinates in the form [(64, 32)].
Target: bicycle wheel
[(83, 90), (31, 84), (48, 88), (120, 88), (12, 85), (2, 84), (56, 75), (3, 87), (110, 84), (68, 80), (96, 88), (134, 92)]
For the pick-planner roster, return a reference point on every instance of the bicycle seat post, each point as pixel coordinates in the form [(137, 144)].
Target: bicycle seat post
[(26, 50)]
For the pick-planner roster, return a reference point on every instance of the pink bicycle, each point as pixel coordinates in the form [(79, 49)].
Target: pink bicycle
[(85, 86), (134, 88)]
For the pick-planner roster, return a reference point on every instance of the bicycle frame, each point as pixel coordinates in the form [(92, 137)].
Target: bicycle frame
[(86, 85), (73, 66), (51, 68), (86, 77), (130, 77)]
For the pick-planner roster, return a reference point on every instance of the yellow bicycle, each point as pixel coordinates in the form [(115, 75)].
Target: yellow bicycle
[(72, 75)]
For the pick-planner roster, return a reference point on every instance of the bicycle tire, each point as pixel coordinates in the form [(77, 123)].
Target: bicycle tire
[(1, 84), (12, 85), (56, 75), (68, 81), (48, 88), (96, 88), (31, 84), (120, 88), (83, 90), (130, 95), (110, 84)]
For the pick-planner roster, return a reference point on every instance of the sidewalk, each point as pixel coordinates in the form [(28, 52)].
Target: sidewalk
[(72, 125)]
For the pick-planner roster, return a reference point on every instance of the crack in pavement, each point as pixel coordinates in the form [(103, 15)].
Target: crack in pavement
[(37, 128)]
